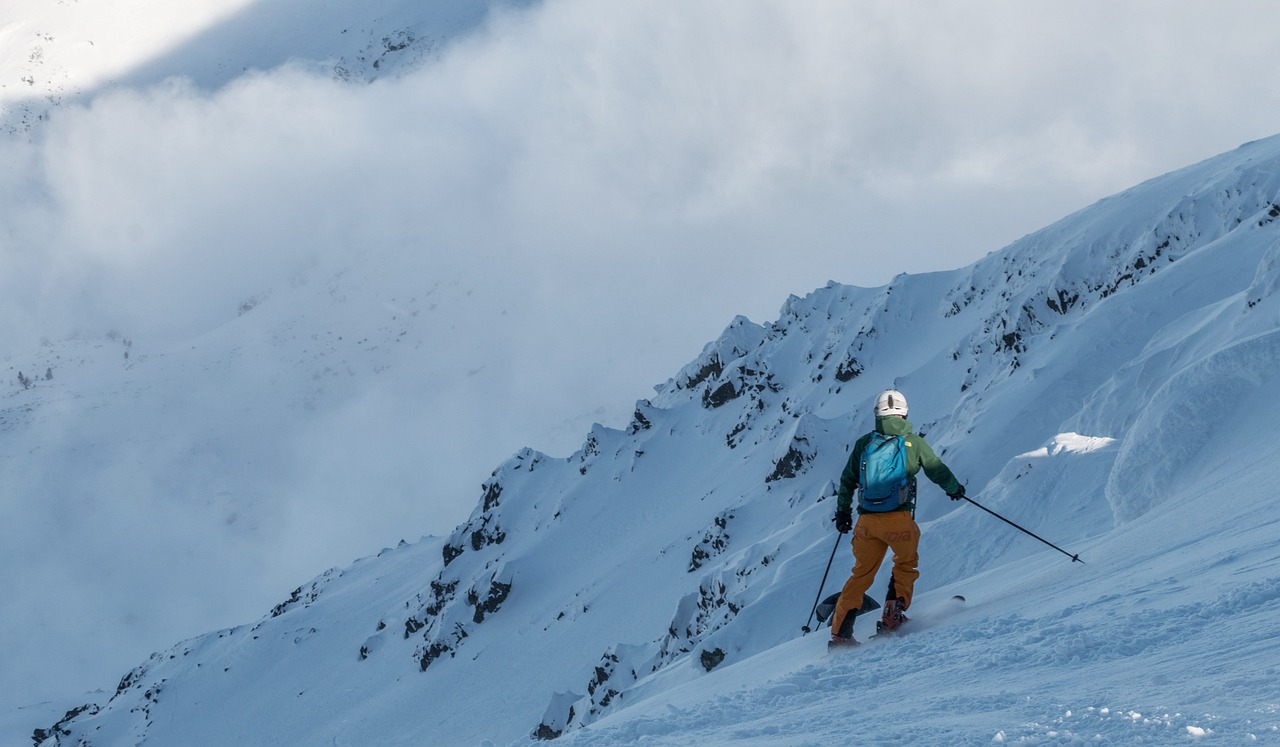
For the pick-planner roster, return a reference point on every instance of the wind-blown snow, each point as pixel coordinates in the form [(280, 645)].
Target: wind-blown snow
[(1069, 443), (1107, 382)]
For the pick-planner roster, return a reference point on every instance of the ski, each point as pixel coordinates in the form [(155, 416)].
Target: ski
[(828, 606)]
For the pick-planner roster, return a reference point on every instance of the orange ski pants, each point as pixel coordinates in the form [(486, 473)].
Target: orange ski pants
[(873, 535)]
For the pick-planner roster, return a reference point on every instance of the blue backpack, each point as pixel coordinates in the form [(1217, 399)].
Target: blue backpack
[(883, 474)]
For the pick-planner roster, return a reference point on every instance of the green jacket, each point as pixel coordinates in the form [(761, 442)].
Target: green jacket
[(919, 454)]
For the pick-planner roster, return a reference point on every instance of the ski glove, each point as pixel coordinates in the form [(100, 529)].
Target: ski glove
[(958, 495), (844, 521)]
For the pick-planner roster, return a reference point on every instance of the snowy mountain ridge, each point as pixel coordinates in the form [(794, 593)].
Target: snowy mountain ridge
[(1093, 381), (68, 51)]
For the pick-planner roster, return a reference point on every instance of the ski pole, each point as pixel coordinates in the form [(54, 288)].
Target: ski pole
[(806, 628), (1074, 558)]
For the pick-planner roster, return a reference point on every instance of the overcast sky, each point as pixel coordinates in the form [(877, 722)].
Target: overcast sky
[(600, 188)]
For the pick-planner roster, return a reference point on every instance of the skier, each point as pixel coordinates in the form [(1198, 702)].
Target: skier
[(883, 469)]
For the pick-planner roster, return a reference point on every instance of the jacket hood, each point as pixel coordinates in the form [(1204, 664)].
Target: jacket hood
[(891, 425)]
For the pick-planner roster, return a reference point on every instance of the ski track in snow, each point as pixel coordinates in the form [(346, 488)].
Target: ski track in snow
[(1056, 679)]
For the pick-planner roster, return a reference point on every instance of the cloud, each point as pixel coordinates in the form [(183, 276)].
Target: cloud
[(575, 132), (558, 213)]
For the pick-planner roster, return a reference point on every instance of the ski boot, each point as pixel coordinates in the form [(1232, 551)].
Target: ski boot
[(894, 615), (843, 638)]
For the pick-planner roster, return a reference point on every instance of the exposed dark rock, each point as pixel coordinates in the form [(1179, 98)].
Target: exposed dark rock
[(639, 423), (441, 593), (60, 729), (546, 733), (590, 449), (438, 648), (714, 542), (712, 659), (1064, 301), (732, 437), (433, 652), (299, 597), (721, 395), (790, 465), (492, 491), (279, 609), (848, 369), (710, 370), (498, 592), (485, 536)]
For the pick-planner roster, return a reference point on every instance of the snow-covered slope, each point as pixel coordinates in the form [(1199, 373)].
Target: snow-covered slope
[(122, 521), (1108, 382)]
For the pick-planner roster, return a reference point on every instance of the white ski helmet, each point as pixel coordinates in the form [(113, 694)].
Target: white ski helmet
[(891, 402)]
